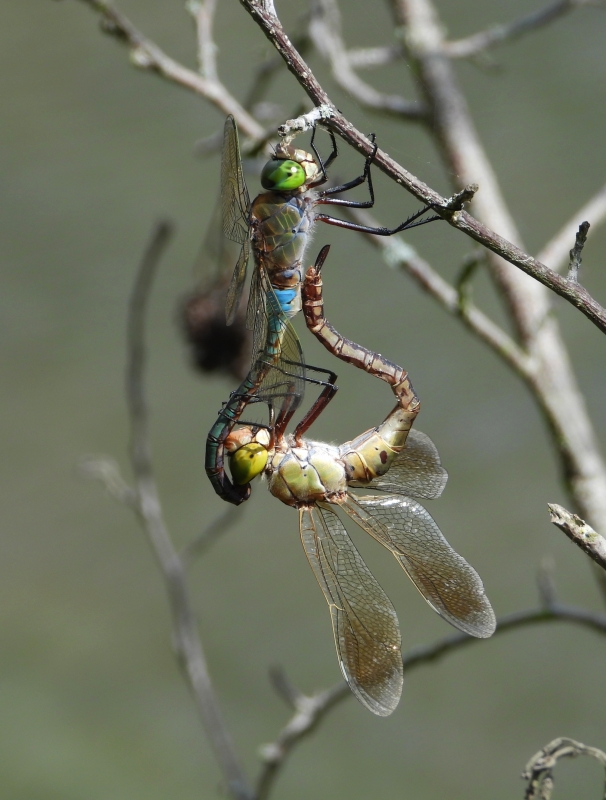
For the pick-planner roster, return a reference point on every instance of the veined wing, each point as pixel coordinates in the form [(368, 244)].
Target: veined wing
[(416, 470), (364, 621), (235, 207), (449, 584), (278, 360)]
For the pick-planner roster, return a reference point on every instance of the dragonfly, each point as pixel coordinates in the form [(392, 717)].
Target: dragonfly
[(402, 466), (276, 226), (276, 379)]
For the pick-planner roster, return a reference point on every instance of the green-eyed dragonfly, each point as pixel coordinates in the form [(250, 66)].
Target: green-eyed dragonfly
[(402, 465), (276, 225)]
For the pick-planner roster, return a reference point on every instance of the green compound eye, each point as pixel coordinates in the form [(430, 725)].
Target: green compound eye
[(282, 175), (247, 462)]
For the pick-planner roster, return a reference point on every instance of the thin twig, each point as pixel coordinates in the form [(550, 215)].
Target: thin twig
[(147, 55), (325, 32), (579, 532), (210, 534), (539, 770), (398, 254), (106, 471), (203, 12), (311, 710), (371, 57), (555, 252), (186, 637), (574, 264), (498, 34)]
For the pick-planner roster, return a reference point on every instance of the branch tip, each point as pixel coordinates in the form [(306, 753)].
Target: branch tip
[(539, 771), (458, 200), (579, 532), (574, 264)]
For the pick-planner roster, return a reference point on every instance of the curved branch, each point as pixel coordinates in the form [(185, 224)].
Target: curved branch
[(539, 770), (325, 32), (499, 34), (147, 55), (186, 637), (310, 711)]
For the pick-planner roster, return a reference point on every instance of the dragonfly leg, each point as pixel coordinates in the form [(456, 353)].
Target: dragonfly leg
[(323, 164), (327, 394), (345, 349), (411, 222), (365, 177)]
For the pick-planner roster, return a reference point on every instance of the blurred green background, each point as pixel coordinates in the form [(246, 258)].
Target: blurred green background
[(92, 704)]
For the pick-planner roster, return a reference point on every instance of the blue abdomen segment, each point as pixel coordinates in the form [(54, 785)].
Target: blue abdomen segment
[(289, 300)]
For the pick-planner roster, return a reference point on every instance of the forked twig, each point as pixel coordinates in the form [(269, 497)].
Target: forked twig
[(499, 34), (311, 710), (539, 770), (147, 55)]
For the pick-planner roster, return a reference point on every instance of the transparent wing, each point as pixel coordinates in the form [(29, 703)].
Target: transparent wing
[(215, 261), (364, 621), (416, 470), (235, 209), (278, 370), (449, 584)]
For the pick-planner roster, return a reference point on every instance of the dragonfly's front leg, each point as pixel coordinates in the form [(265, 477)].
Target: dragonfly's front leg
[(345, 349)]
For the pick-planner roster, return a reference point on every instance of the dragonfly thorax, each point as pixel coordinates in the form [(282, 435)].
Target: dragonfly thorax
[(312, 473)]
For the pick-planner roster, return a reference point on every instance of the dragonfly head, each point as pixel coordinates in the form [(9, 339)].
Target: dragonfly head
[(289, 169), (248, 453)]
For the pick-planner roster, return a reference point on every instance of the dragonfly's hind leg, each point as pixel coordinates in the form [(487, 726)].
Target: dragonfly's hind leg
[(288, 409), (345, 349)]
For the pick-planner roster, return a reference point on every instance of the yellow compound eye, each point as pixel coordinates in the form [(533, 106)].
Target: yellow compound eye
[(247, 462)]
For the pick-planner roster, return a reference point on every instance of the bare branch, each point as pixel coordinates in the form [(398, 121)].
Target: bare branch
[(398, 254), (311, 710), (203, 12), (546, 582), (186, 637), (555, 253), (499, 34), (369, 57), (293, 127), (579, 532), (107, 473), (309, 713), (553, 382), (147, 55), (325, 32), (575, 294), (210, 534), (539, 770)]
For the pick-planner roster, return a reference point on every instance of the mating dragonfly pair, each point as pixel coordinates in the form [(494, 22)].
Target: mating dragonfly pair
[(399, 464)]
